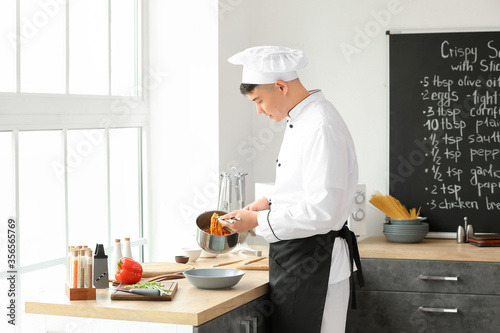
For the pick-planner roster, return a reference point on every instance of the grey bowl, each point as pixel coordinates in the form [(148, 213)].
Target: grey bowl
[(418, 220), (213, 278), (410, 238), (408, 227), (412, 228), (406, 231)]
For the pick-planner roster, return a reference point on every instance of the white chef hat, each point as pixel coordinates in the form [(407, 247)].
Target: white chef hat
[(267, 64)]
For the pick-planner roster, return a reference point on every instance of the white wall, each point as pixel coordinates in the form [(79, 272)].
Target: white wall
[(356, 83), (237, 140), (184, 121)]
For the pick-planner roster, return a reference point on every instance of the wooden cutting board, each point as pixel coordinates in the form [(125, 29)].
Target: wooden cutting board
[(151, 269), (118, 295), (262, 265)]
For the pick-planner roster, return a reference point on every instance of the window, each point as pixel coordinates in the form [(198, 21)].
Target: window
[(85, 47), (40, 214), (73, 118), (7, 48), (69, 187)]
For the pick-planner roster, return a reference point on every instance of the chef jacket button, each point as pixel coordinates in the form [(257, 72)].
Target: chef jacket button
[(291, 126), (279, 164)]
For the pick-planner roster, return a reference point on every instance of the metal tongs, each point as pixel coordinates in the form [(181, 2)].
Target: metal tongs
[(231, 220)]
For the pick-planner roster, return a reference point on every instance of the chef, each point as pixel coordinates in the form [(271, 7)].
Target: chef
[(311, 249)]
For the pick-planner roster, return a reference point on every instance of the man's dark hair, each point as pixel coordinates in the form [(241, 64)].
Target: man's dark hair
[(246, 88)]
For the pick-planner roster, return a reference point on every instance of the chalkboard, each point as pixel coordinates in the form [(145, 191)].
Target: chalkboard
[(444, 106)]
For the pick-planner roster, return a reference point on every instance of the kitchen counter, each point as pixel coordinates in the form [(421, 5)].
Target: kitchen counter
[(437, 285), (428, 249), (194, 307), (190, 306)]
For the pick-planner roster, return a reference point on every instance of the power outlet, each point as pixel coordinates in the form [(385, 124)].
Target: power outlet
[(357, 218)]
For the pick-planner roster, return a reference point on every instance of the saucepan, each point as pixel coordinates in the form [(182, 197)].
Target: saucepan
[(214, 243)]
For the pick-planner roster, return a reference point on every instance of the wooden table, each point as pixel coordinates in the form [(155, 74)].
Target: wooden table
[(190, 306)]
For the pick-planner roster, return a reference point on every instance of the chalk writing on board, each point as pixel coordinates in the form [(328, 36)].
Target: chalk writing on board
[(449, 96)]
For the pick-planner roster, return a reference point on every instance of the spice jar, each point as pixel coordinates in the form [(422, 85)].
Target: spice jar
[(127, 251)]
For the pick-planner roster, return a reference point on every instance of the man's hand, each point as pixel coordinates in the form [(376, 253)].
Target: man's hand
[(258, 205), (248, 220)]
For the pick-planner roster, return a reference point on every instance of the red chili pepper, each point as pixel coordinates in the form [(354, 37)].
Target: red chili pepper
[(129, 271)]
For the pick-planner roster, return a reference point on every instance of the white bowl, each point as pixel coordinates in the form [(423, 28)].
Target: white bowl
[(213, 278), (192, 252), (205, 254)]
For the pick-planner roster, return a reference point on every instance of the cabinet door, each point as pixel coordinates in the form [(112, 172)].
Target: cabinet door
[(400, 312), (252, 317), (407, 275)]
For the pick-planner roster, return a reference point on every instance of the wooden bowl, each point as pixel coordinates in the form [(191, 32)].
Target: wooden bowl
[(181, 259)]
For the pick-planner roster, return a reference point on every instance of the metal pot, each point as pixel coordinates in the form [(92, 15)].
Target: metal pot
[(214, 243)]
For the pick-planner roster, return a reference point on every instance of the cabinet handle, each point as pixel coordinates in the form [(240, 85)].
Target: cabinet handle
[(245, 326), (248, 325), (438, 278), (441, 310)]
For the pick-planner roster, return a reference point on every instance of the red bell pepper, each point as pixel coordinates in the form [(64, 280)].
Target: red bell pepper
[(128, 271)]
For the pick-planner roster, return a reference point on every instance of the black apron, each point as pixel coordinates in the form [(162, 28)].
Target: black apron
[(299, 270)]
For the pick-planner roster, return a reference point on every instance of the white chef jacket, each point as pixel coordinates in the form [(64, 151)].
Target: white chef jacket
[(316, 178)]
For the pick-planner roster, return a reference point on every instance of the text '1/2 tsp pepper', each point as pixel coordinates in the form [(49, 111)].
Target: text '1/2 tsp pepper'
[(128, 271)]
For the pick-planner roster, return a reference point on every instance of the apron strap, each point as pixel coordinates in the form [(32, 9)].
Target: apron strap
[(350, 237)]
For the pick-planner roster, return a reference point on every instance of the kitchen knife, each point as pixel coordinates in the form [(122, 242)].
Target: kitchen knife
[(141, 291)]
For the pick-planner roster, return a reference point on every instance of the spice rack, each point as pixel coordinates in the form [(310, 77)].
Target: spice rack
[(80, 268), (80, 294)]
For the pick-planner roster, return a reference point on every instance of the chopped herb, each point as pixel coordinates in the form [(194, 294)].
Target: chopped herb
[(150, 285)]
